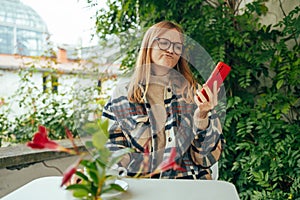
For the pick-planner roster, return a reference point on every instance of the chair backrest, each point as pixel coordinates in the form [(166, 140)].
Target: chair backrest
[(215, 171)]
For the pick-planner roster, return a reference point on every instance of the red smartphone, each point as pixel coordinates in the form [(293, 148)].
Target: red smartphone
[(219, 74)]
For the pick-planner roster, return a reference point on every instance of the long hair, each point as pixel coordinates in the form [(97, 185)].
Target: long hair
[(141, 75)]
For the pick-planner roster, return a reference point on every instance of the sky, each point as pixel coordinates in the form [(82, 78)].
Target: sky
[(68, 21)]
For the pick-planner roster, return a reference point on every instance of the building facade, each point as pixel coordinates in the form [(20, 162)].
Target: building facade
[(22, 30)]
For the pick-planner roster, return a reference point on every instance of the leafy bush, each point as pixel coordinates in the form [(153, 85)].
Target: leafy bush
[(262, 157), (45, 106)]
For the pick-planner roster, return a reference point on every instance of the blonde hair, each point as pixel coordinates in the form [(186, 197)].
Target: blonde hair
[(141, 75)]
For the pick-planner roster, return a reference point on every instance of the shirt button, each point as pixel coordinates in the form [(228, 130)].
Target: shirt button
[(169, 139)]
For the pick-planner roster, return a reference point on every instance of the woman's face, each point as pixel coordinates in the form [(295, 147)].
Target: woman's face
[(165, 57)]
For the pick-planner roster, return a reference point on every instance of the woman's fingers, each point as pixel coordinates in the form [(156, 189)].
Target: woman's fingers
[(197, 100), (201, 97), (212, 96), (208, 92), (215, 94)]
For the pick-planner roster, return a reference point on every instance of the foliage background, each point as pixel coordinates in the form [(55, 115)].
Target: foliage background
[(262, 157)]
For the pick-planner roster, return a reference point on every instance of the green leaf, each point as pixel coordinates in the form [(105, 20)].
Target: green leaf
[(118, 155), (279, 84), (77, 186), (102, 163), (80, 193), (104, 127), (90, 128), (112, 187), (95, 175), (85, 163), (99, 140), (81, 175)]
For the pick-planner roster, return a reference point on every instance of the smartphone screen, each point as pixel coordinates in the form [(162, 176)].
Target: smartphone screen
[(219, 74)]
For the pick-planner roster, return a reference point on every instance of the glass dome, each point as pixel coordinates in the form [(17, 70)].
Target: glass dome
[(22, 30)]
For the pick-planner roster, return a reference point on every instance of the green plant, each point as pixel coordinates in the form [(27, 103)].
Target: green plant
[(91, 176), (95, 180)]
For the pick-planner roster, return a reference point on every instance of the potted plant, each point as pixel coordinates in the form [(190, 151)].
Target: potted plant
[(91, 174), (90, 177)]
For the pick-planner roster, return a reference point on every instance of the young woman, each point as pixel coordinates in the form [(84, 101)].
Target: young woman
[(161, 109)]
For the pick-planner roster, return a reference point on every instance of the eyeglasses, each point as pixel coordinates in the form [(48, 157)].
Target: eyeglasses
[(165, 44)]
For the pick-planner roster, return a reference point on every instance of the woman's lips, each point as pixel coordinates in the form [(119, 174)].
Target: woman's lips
[(168, 56)]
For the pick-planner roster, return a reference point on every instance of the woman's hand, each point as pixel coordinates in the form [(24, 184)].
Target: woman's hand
[(205, 105)]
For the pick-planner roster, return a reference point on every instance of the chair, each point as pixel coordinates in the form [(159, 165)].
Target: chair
[(215, 171)]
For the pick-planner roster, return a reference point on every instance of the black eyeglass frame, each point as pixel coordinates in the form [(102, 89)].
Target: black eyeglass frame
[(170, 43)]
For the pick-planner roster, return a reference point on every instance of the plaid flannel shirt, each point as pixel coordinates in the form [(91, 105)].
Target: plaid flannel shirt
[(131, 123)]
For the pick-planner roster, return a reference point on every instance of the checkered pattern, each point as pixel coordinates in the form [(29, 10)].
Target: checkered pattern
[(131, 125)]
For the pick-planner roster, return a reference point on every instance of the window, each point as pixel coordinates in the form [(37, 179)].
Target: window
[(6, 40), (50, 81)]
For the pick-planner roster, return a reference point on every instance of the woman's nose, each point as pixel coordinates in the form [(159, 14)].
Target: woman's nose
[(171, 48)]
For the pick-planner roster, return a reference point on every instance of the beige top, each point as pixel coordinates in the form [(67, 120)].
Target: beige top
[(155, 96)]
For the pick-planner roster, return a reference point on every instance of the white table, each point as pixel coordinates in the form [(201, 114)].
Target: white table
[(47, 188)]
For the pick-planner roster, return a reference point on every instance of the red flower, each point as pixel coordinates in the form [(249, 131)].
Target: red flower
[(41, 140), (69, 134), (145, 164), (170, 163), (68, 174), (71, 138)]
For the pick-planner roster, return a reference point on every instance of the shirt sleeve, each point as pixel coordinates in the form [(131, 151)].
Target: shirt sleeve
[(206, 148), (117, 140)]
